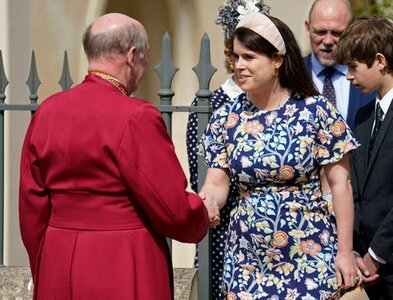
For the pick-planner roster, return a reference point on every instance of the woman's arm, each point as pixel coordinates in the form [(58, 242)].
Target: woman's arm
[(338, 175), (216, 186)]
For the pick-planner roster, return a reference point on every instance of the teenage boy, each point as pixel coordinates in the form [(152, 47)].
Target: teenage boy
[(366, 47)]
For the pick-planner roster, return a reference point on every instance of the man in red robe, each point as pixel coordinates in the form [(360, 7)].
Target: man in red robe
[(101, 186)]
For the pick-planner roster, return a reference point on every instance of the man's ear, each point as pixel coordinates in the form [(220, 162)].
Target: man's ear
[(307, 28), (131, 56)]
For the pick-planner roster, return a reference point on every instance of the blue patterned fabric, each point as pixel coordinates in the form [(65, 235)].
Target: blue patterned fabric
[(282, 236)]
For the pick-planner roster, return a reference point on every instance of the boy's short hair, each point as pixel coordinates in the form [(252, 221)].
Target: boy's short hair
[(364, 38)]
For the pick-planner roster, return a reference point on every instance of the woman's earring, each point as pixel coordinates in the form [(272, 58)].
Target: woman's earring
[(275, 72), (231, 68)]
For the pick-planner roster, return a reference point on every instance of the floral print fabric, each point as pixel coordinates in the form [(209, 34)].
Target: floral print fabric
[(282, 236)]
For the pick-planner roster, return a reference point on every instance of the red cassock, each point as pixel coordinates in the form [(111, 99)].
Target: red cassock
[(100, 189)]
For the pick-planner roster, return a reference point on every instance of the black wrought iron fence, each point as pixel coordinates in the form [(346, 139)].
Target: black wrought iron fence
[(166, 70)]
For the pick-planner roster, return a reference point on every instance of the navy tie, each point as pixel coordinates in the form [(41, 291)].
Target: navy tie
[(328, 88), (378, 118)]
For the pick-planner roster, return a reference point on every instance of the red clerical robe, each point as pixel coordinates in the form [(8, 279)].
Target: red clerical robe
[(100, 189)]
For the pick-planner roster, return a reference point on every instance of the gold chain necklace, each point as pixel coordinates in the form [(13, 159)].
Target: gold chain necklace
[(111, 80)]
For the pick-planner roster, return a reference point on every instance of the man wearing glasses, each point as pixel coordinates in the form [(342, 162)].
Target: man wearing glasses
[(326, 22)]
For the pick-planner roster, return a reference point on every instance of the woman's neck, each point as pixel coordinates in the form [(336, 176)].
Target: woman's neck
[(270, 99)]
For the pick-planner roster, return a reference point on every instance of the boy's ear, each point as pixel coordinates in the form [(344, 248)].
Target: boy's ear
[(380, 59)]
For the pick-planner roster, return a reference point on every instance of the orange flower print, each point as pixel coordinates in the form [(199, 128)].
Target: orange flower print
[(286, 173), (231, 120), (337, 128), (231, 296), (254, 127), (280, 239), (310, 247)]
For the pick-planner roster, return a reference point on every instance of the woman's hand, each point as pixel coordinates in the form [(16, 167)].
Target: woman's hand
[(215, 193), (212, 209), (347, 271)]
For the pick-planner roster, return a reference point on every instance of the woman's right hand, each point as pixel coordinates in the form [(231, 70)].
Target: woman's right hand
[(347, 271), (212, 209)]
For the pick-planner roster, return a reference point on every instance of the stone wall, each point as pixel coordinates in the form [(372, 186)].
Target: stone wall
[(15, 283)]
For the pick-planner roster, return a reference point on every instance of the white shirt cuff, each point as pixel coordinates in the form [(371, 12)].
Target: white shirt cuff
[(376, 257)]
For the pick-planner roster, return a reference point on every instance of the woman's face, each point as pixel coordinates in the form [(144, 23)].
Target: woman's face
[(254, 70)]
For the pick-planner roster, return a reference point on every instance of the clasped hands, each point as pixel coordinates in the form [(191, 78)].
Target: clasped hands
[(359, 270), (213, 209)]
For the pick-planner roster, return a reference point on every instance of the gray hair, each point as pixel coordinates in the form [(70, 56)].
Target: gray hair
[(116, 41)]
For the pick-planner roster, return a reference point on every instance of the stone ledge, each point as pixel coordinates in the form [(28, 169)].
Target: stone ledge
[(14, 283), (186, 287)]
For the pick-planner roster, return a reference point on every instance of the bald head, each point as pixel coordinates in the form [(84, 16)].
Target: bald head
[(113, 34), (339, 9), (326, 22)]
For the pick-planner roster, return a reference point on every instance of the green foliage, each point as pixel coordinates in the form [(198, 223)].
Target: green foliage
[(382, 8)]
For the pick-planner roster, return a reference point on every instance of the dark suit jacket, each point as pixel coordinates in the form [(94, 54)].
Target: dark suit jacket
[(356, 98), (372, 181)]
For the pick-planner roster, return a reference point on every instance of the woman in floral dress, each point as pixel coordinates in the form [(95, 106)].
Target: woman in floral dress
[(228, 17), (284, 242)]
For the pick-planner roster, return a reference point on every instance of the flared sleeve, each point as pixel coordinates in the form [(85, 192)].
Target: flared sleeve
[(212, 143), (334, 137)]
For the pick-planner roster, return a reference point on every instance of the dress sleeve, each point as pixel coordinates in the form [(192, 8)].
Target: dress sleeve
[(334, 138), (34, 202), (212, 144), (153, 174)]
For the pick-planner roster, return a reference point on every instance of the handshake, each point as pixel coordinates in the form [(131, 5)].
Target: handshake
[(213, 209)]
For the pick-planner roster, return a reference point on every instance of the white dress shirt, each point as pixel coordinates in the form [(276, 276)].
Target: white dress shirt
[(340, 83)]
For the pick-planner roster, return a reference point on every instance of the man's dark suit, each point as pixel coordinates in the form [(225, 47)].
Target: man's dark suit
[(356, 98), (372, 181)]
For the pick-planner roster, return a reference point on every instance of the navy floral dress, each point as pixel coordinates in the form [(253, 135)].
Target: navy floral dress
[(282, 236)]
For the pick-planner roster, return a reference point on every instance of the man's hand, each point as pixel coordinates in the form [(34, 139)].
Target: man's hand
[(369, 268), (371, 264)]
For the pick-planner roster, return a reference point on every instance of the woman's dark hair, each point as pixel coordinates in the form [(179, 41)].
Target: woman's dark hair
[(293, 74)]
